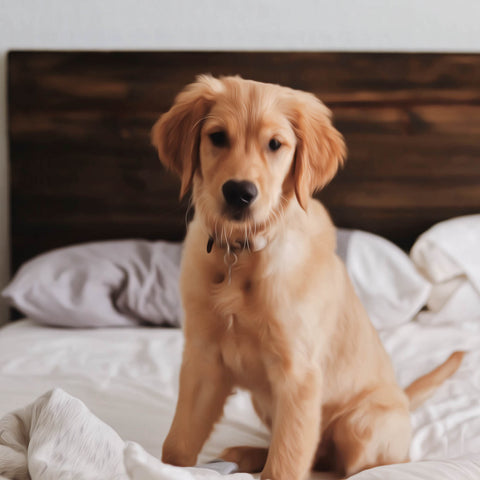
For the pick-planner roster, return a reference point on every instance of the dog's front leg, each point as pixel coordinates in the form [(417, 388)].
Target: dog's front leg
[(204, 387), (295, 429)]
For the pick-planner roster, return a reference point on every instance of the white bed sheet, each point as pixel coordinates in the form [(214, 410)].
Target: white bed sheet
[(128, 377)]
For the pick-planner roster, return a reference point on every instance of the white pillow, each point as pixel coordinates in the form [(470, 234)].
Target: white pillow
[(102, 284), (448, 254), (450, 249), (385, 279), (126, 282)]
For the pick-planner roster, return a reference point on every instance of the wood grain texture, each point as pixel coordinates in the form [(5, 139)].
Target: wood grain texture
[(82, 167)]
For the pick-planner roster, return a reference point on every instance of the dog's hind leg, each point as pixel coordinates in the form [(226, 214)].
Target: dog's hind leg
[(370, 436)]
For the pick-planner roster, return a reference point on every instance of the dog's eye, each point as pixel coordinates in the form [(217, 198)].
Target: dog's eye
[(274, 145), (219, 139)]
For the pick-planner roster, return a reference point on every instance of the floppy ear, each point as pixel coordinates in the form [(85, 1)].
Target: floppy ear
[(320, 150), (176, 134)]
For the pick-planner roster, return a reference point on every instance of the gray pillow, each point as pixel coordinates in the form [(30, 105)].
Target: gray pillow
[(102, 284), (132, 281)]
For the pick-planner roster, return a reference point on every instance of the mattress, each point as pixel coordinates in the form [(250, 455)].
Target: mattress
[(128, 377)]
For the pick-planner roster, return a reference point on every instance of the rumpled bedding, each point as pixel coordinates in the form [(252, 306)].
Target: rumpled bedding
[(57, 437), (128, 379)]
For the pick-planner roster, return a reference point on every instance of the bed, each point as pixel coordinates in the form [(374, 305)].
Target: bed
[(83, 173)]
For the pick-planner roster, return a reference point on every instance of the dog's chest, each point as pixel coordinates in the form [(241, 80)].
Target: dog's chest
[(250, 313), (242, 291), (242, 354)]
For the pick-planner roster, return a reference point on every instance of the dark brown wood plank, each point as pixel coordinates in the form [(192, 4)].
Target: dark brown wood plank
[(151, 79)]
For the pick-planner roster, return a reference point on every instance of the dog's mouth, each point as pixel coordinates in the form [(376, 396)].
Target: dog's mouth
[(234, 225), (237, 214)]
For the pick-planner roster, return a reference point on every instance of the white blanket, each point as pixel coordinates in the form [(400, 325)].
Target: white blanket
[(58, 438), (128, 378)]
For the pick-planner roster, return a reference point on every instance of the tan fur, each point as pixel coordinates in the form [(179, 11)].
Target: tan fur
[(278, 317)]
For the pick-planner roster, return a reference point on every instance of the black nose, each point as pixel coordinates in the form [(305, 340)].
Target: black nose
[(239, 194)]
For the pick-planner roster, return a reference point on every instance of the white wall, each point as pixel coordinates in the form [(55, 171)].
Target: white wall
[(374, 25)]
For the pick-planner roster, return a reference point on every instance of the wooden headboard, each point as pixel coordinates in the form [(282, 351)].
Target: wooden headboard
[(82, 167)]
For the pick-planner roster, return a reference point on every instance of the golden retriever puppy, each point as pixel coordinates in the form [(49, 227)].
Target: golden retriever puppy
[(268, 304)]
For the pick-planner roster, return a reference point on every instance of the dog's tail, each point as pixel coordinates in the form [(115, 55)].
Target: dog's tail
[(418, 391)]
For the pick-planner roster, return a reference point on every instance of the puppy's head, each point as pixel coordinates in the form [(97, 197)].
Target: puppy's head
[(248, 148)]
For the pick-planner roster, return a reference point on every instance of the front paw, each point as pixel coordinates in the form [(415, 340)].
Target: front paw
[(248, 459), (179, 457)]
